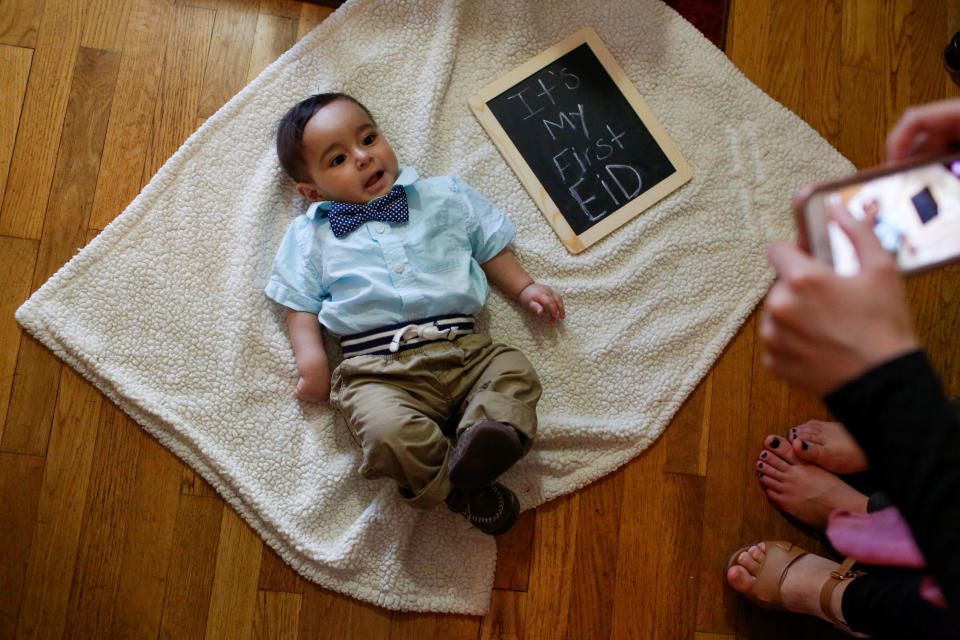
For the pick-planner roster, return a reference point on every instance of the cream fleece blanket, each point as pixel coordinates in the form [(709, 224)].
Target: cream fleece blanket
[(164, 311)]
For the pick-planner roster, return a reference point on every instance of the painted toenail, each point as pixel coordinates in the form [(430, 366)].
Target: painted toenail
[(775, 443), (804, 445), (760, 465), (763, 455), (793, 435)]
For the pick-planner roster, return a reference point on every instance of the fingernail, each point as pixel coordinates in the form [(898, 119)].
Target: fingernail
[(763, 455), (804, 445), (775, 443), (793, 435), (759, 475), (760, 465), (794, 430)]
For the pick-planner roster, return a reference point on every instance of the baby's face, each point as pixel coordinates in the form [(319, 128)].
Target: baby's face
[(348, 159)]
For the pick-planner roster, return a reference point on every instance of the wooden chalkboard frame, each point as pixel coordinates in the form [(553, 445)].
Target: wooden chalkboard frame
[(572, 241)]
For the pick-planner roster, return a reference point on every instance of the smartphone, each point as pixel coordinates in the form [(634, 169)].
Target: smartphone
[(915, 209)]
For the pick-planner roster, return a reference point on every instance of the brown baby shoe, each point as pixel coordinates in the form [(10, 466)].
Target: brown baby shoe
[(482, 453), (492, 508)]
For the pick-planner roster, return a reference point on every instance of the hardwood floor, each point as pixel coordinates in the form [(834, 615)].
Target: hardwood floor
[(103, 533)]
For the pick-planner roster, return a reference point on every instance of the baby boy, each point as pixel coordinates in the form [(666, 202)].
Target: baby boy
[(396, 266)]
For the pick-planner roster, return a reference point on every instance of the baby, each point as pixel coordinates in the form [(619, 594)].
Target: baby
[(396, 266)]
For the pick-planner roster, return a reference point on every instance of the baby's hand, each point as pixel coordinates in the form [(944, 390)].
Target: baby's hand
[(538, 297), (316, 388)]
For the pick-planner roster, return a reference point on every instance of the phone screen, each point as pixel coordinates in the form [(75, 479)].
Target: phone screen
[(915, 214)]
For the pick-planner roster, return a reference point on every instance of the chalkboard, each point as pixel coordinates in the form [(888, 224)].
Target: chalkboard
[(581, 139)]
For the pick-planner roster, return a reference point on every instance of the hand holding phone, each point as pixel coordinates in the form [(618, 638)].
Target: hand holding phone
[(821, 329), (914, 210)]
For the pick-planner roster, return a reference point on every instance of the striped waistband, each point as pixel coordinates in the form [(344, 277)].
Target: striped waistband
[(401, 337)]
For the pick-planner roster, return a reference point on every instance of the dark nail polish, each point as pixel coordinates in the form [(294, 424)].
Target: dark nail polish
[(793, 435), (760, 465), (804, 445), (759, 475), (763, 455), (775, 443)]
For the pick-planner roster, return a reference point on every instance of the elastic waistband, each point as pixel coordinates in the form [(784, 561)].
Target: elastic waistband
[(404, 336)]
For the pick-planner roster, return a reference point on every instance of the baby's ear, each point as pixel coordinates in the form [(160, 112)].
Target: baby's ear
[(309, 191)]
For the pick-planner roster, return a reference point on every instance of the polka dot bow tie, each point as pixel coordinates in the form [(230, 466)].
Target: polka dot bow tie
[(346, 217)]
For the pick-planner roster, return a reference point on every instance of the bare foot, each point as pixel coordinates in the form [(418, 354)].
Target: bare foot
[(803, 490), (829, 446), (800, 589)]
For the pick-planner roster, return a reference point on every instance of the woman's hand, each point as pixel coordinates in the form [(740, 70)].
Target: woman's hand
[(822, 330)]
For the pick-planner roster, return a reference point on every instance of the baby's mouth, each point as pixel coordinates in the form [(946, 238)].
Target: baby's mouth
[(374, 179)]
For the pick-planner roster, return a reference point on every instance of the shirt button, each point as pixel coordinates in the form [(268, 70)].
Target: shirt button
[(398, 268), (380, 228)]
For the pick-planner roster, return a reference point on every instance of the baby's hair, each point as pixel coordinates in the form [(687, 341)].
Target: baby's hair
[(290, 131)]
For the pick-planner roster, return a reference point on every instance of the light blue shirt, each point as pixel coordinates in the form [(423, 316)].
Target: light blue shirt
[(387, 273)]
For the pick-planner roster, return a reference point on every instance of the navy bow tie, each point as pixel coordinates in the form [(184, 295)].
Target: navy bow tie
[(346, 217)]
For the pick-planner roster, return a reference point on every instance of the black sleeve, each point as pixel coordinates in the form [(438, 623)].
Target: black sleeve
[(911, 435)]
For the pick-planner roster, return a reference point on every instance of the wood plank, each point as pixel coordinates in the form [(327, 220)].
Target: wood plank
[(310, 16), (108, 510), (60, 510), (15, 61), (506, 617), (273, 37), (331, 616), (927, 32), (17, 260), (185, 60), (131, 119), (276, 575), (281, 8), (821, 68), (433, 626), (104, 24), (723, 501), (676, 602), (514, 551), (20, 22), (234, 598), (747, 29), (684, 438), (595, 565), (42, 118), (277, 616), (547, 610), (861, 40), (65, 229), (192, 565), (782, 74), (193, 484), (862, 133), (20, 480), (639, 551), (146, 553), (231, 43)]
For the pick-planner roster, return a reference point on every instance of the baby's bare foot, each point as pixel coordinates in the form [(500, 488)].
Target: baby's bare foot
[(803, 490), (800, 590), (828, 445)]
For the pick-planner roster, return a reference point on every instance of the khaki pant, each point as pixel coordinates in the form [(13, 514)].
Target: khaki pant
[(403, 408)]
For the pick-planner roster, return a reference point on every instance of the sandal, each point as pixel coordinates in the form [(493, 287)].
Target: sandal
[(777, 560)]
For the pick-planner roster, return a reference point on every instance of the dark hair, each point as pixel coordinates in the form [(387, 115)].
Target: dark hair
[(290, 131)]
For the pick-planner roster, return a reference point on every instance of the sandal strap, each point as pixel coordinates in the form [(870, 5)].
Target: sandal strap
[(840, 575)]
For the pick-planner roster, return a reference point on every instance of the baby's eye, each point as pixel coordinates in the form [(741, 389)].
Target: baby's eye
[(338, 159), (369, 138)]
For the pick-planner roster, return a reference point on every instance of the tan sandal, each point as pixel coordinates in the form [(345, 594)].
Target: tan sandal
[(778, 557)]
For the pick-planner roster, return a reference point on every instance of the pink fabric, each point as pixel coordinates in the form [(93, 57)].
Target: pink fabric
[(880, 538)]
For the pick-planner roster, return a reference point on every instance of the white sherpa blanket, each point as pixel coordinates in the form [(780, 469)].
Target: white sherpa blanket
[(164, 311)]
